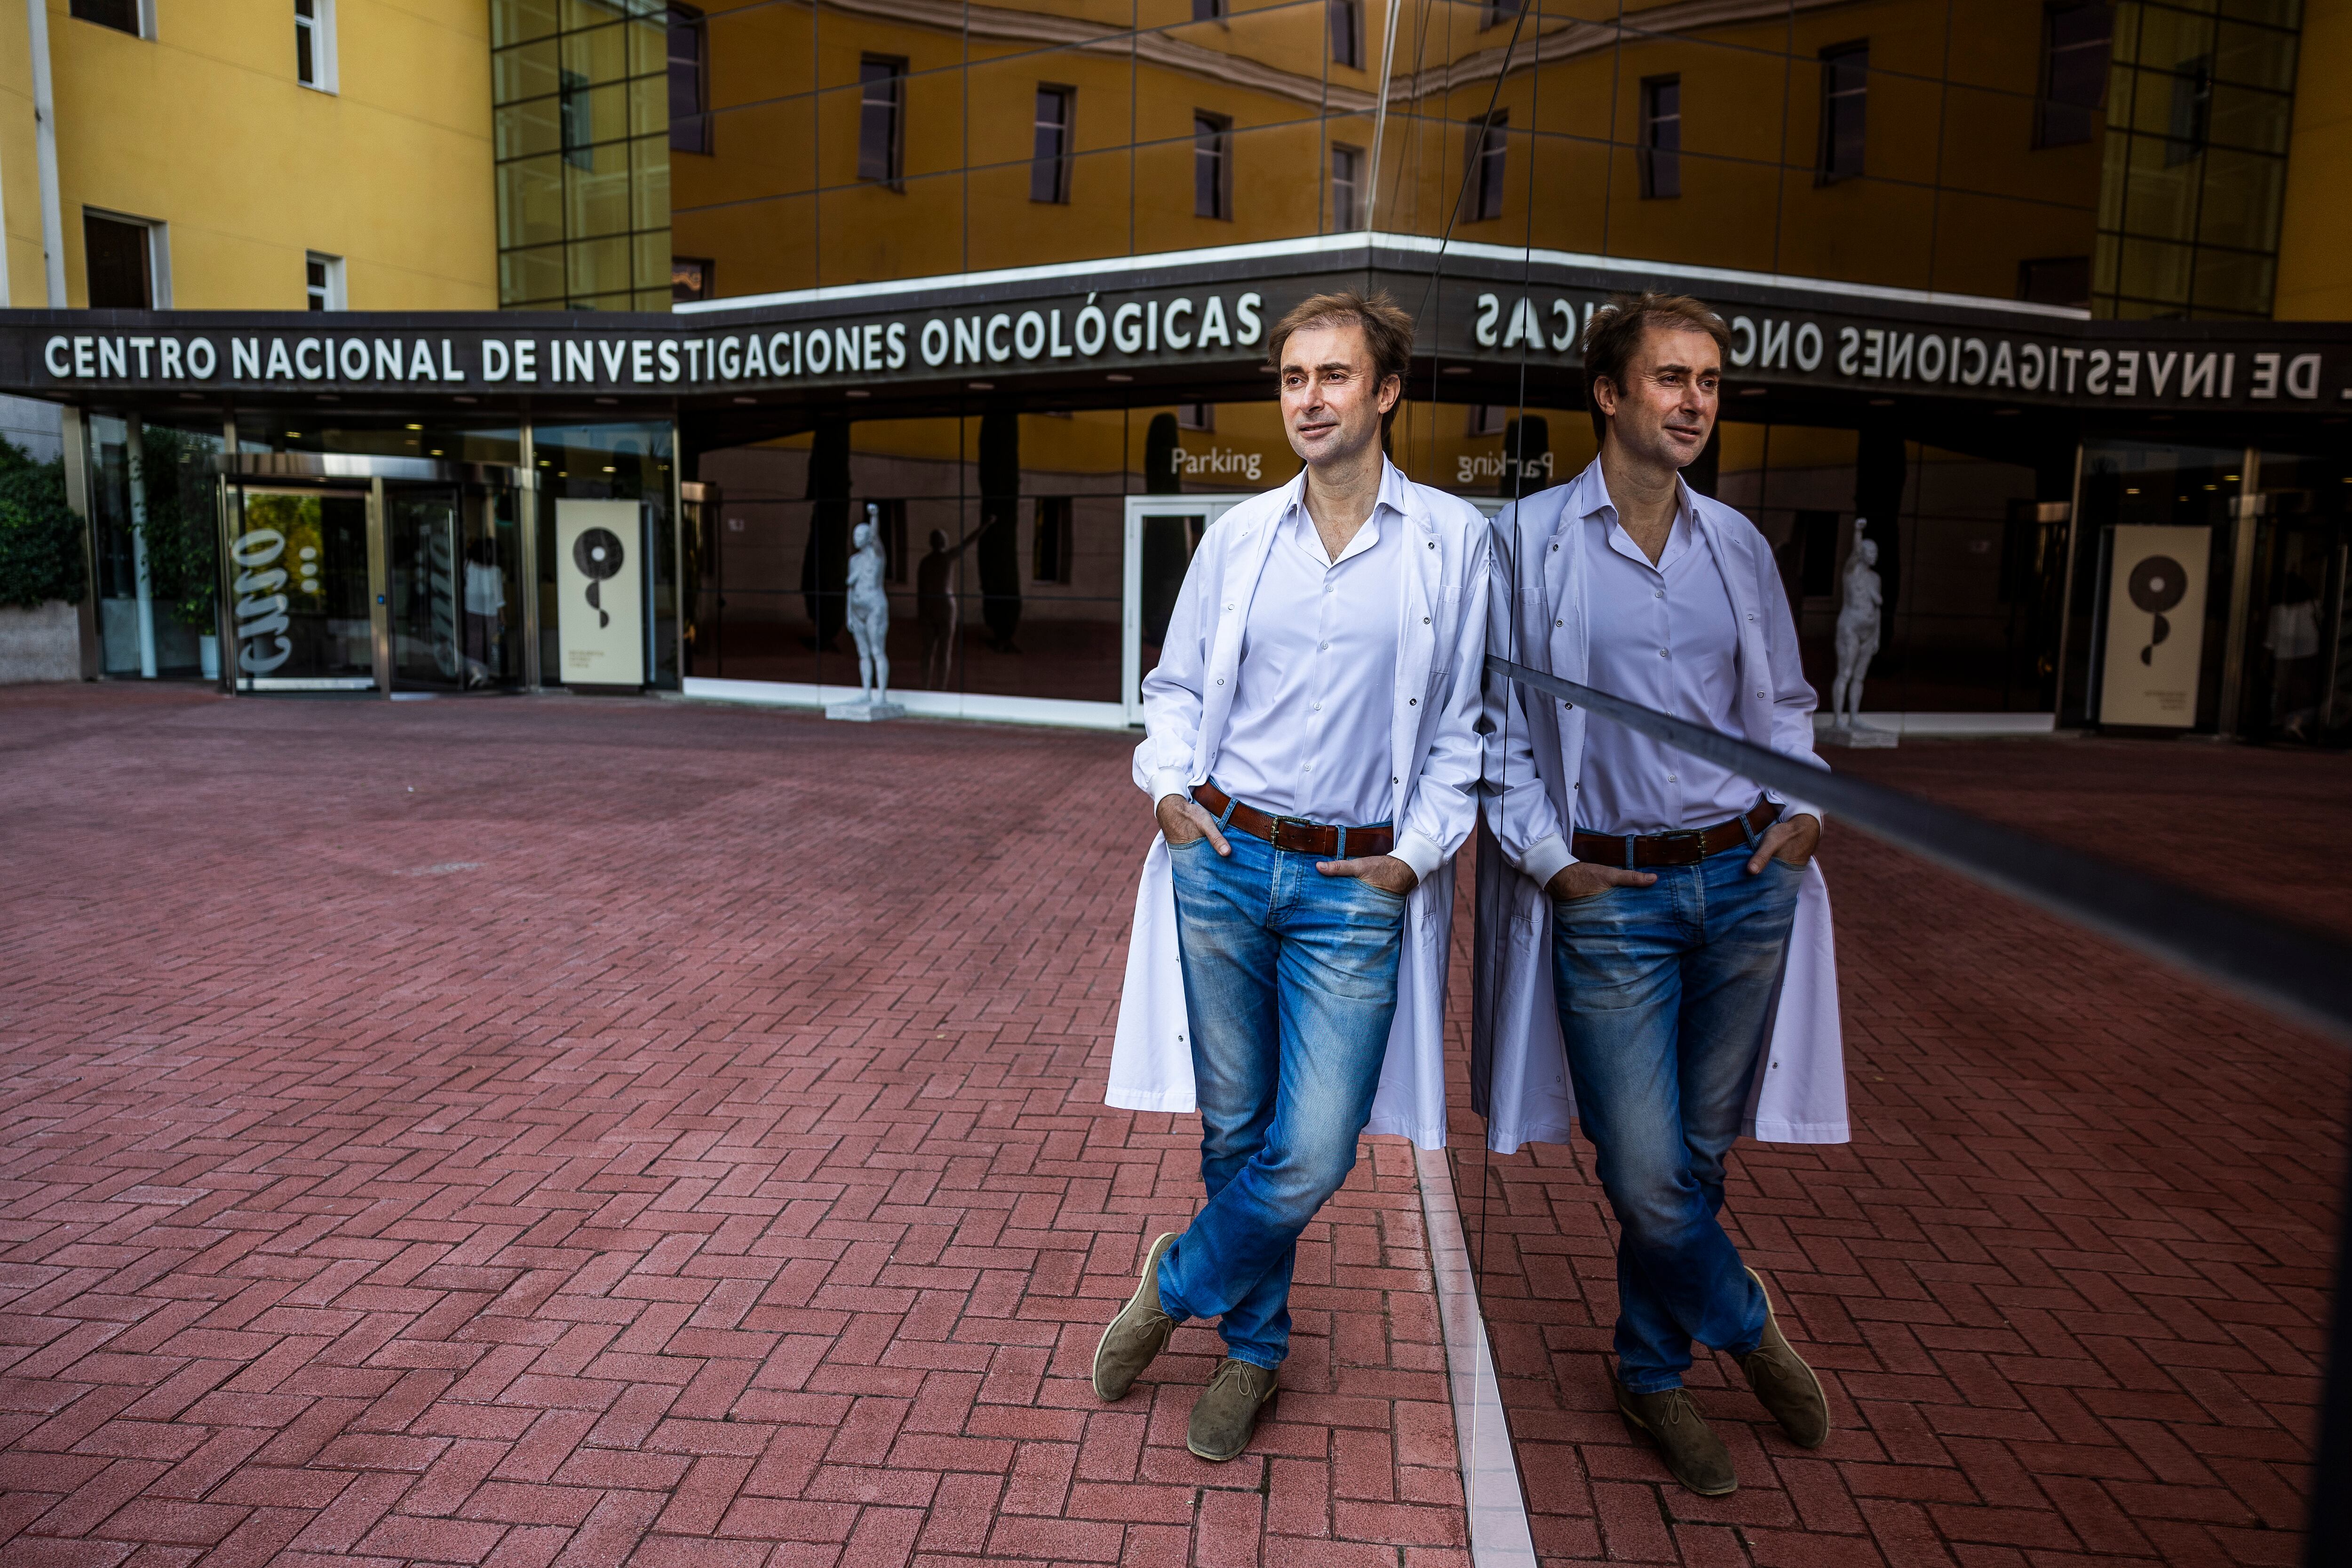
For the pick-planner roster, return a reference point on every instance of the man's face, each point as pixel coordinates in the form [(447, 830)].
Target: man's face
[(1332, 399), (1666, 409)]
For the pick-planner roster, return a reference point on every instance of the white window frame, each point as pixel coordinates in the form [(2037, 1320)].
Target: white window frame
[(159, 251), (146, 14), (322, 23), (336, 298)]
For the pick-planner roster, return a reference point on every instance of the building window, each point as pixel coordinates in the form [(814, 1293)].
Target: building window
[(122, 15), (1207, 10), (575, 111), (1845, 102), (579, 121), (1213, 160), (1488, 418), (2196, 130), (1347, 33), (1347, 189), (2074, 37), (1196, 417), (1049, 153), (1481, 186), (1662, 137), (1051, 547), (690, 89), (2189, 121), (322, 282), (690, 278), (314, 44), (881, 119), (119, 263), (1495, 13), (2055, 280)]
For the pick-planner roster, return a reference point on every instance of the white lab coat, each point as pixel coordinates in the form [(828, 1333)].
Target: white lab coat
[(1536, 616), (1435, 749)]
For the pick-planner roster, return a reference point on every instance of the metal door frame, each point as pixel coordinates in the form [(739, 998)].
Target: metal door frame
[(1208, 508)]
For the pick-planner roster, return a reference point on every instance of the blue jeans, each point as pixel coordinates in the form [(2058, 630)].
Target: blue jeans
[(1664, 996), (1290, 978)]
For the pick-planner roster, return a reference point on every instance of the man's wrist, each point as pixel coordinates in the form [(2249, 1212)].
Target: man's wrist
[(1419, 853), (1168, 782), (1546, 858)]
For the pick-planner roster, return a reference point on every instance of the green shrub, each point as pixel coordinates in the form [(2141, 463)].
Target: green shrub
[(41, 555)]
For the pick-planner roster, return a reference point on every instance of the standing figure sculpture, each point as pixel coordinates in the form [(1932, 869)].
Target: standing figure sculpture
[(1857, 629), (869, 622)]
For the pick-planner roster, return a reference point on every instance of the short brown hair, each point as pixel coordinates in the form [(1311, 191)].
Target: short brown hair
[(1615, 331), (1387, 331)]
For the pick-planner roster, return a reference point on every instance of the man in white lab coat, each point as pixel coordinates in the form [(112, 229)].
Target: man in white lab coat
[(1312, 754), (1652, 923)]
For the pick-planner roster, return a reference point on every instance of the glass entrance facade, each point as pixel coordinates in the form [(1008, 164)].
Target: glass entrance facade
[(392, 552)]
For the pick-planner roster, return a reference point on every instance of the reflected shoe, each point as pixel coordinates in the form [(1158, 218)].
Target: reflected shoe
[(1139, 1332), (1785, 1384), (1227, 1411), (1694, 1454)]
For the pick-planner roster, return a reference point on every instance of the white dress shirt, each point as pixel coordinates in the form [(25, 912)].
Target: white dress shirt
[(1308, 735), (1665, 636)]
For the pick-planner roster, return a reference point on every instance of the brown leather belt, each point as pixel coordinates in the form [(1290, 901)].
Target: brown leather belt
[(1685, 848), (1295, 833)]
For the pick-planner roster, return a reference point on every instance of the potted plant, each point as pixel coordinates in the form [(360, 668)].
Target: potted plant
[(181, 535)]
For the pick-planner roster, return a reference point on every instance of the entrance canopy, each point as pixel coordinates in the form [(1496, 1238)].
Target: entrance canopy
[(1496, 325)]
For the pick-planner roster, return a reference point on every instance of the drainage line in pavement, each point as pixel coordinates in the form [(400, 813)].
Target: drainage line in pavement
[(1495, 1510), (2306, 976)]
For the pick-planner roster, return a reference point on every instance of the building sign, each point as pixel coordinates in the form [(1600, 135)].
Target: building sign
[(1199, 318), (2156, 626), (600, 593)]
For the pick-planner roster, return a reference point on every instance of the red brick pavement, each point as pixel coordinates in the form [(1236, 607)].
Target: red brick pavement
[(2066, 1285), (546, 1132)]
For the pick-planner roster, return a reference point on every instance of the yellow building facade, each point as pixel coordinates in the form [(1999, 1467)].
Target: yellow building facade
[(193, 122)]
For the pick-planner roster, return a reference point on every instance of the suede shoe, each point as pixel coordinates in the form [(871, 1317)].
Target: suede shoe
[(1226, 1412), (1139, 1332), (1785, 1384), (1694, 1454)]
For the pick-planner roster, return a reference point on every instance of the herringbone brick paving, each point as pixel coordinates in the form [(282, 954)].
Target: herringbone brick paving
[(549, 1131), (2067, 1285), (538, 1132)]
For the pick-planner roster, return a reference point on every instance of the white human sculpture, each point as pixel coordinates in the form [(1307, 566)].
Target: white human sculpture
[(869, 622), (1857, 629), (869, 608)]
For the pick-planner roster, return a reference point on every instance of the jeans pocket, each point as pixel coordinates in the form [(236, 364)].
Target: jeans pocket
[(1188, 844)]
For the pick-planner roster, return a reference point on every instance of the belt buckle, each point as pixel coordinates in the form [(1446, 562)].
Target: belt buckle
[(1692, 839), (1280, 822)]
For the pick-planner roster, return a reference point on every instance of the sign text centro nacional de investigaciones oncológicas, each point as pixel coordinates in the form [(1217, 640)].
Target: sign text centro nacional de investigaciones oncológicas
[(1168, 327)]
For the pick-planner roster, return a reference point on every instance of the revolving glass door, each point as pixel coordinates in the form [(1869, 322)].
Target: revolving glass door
[(454, 599)]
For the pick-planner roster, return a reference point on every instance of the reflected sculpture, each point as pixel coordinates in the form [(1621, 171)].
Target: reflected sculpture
[(1857, 644)]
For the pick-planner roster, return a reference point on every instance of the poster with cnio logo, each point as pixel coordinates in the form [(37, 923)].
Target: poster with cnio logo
[(2156, 626), (600, 593)]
